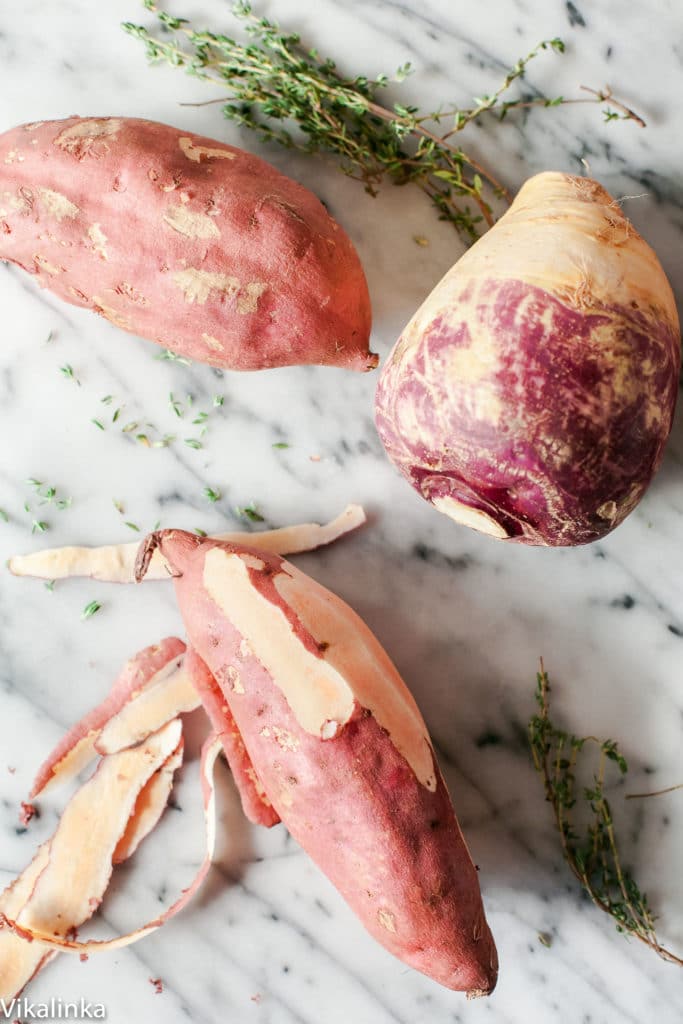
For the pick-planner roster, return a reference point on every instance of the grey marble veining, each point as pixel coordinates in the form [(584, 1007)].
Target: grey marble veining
[(465, 618)]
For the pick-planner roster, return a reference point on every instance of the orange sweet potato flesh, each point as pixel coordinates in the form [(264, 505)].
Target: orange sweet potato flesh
[(340, 749), (194, 244)]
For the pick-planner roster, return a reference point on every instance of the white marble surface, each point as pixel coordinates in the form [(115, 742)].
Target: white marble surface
[(465, 618)]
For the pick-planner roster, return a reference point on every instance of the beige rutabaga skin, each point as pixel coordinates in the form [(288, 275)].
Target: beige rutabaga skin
[(532, 394), (115, 563), (336, 748), (200, 247)]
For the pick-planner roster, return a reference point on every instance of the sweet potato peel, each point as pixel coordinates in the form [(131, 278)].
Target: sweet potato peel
[(77, 748), (44, 932), (115, 563), (149, 806), (65, 882)]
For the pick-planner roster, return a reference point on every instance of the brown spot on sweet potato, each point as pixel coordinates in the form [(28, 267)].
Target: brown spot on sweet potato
[(247, 300), (190, 223), (195, 153), (212, 342), (99, 240), (88, 138), (130, 293), (57, 205), (387, 920), (110, 314), (44, 264), (197, 285)]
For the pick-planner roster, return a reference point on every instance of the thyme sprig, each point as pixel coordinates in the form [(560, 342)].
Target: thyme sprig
[(276, 84), (591, 850)]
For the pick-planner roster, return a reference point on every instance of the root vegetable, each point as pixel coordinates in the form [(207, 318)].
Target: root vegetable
[(198, 246), (532, 394), (340, 749), (115, 563)]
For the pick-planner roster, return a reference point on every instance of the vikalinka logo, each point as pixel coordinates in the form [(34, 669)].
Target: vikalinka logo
[(56, 1009)]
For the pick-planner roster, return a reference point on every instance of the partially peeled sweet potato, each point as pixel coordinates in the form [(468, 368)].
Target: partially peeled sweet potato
[(338, 747), (194, 244)]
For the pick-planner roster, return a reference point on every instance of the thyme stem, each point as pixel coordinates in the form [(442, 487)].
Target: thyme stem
[(273, 82), (593, 857)]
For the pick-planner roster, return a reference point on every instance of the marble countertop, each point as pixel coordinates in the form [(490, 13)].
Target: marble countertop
[(465, 618)]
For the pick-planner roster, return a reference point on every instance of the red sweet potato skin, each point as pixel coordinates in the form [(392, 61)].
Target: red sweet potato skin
[(391, 845), (255, 805), (196, 245)]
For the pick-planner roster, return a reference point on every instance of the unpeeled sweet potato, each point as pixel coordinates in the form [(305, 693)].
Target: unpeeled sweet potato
[(338, 747), (194, 244)]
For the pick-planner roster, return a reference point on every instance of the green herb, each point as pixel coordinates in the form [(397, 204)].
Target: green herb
[(118, 506), (4, 516), (48, 493), (90, 610), (68, 372), (273, 80), (251, 513), (192, 442), (144, 440), (39, 526), (175, 405), (591, 850), (63, 503), (164, 441), (50, 585), (50, 337), (107, 399), (98, 424), (117, 413), (133, 526), (129, 427), (211, 495), (156, 526), (280, 445), (218, 401), (171, 357), (201, 417), (200, 533)]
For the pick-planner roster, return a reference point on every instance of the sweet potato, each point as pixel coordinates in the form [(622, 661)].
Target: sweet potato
[(198, 246), (340, 749)]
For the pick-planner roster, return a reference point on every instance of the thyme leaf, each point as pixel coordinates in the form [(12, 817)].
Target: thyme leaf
[(273, 81), (591, 850)]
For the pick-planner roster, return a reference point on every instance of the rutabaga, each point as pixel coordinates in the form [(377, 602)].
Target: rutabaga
[(532, 394)]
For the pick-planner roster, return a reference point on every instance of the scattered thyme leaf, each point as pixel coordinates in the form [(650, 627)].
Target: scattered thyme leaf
[(118, 506), (175, 405), (218, 400), (64, 503), (36, 484), (129, 427), (117, 413), (39, 526), (164, 442), (90, 609), (201, 417), (144, 440), (50, 585), (281, 445), (211, 495), (98, 424), (167, 356), (200, 533), (591, 850), (156, 526), (68, 371), (251, 513), (107, 400), (4, 516), (192, 442), (133, 526)]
